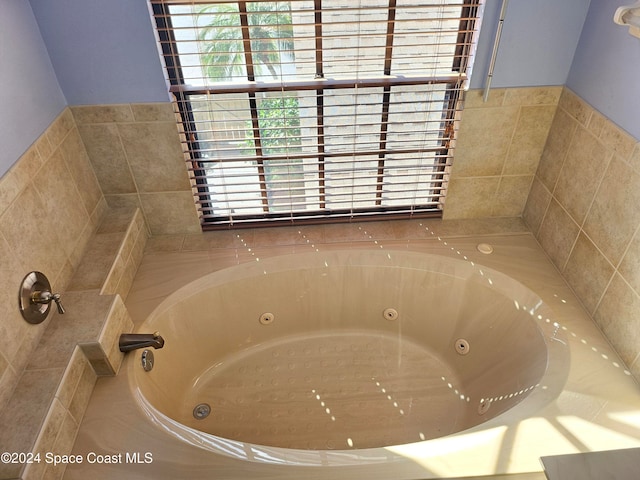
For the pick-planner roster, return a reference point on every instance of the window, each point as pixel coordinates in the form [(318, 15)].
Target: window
[(305, 110)]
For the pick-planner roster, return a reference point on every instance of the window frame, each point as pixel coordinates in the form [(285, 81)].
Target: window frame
[(455, 83)]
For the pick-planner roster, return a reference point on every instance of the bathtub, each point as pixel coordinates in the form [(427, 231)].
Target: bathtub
[(332, 358), (417, 357)]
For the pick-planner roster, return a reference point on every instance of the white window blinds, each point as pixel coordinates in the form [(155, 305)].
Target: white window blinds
[(312, 109)]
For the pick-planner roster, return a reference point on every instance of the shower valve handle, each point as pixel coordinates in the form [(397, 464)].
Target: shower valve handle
[(56, 298), (46, 297)]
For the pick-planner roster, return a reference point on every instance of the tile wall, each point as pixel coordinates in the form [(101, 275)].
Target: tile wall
[(50, 204), (584, 208), (585, 219), (136, 152), (497, 151)]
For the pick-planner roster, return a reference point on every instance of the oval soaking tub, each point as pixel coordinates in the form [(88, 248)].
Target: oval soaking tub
[(337, 353)]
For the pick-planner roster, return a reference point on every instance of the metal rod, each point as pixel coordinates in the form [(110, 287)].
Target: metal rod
[(494, 54)]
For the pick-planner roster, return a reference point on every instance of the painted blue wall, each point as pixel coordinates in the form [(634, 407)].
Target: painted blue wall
[(606, 67), (103, 51), (29, 92), (539, 39)]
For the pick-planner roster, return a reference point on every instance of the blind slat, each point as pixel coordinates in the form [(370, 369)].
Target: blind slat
[(317, 108)]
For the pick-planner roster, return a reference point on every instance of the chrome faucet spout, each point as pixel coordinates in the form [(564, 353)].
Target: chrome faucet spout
[(134, 341)]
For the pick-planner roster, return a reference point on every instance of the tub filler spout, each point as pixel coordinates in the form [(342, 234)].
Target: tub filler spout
[(134, 341)]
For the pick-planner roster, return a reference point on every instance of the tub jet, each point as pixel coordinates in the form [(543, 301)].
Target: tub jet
[(267, 318), (201, 411), (462, 346), (390, 314)]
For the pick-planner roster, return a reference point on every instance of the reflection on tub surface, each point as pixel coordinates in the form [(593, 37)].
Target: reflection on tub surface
[(332, 368), (324, 391), (585, 400)]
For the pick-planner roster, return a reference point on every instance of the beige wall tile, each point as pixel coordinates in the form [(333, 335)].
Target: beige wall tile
[(29, 343), (470, 197), (533, 96), (81, 171), (99, 212), (173, 243), (59, 128), (483, 141), (135, 149), (49, 207), (615, 216), (634, 161), (43, 146), (108, 158), (581, 174), (556, 148), (97, 358), (87, 114), (129, 200), (153, 112), (575, 106), (169, 213), (537, 204), (588, 272), (155, 156), (118, 321), (511, 195), (529, 140), (28, 408), (62, 202), (617, 315), (129, 240), (61, 281), (557, 234), (110, 286), (10, 187), (596, 123), (635, 367), (71, 377), (118, 220), (599, 184), (475, 98), (12, 325), (137, 252), (8, 382), (4, 365), (50, 203), (126, 280), (64, 443), (94, 268), (630, 266), (503, 139), (47, 439), (153, 152), (19, 176), (26, 219), (617, 139), (53, 423), (82, 393)]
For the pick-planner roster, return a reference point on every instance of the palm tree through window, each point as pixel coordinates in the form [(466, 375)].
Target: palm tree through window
[(313, 109)]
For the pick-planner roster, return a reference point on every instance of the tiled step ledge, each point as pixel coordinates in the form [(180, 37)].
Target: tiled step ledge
[(49, 401)]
